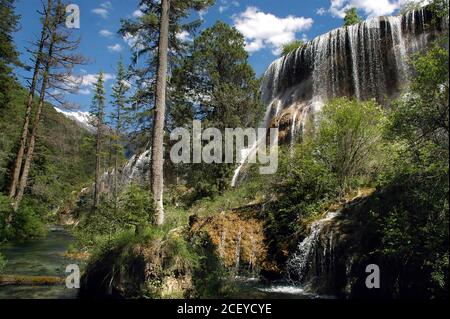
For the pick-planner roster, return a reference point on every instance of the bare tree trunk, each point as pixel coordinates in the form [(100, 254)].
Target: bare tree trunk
[(159, 117), (98, 150), (37, 118), (22, 143), (32, 140)]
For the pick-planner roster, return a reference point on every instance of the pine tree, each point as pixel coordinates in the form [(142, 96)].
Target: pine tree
[(120, 101), (9, 57), (217, 85), (162, 21), (98, 111), (38, 60)]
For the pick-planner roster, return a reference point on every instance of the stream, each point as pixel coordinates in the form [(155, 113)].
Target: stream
[(38, 257)]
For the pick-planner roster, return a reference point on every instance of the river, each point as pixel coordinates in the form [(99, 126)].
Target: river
[(38, 257), (45, 257)]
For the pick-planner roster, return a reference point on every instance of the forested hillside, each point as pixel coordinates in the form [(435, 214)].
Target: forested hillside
[(63, 164)]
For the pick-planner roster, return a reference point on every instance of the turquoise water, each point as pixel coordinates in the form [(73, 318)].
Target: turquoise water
[(38, 257), (45, 257)]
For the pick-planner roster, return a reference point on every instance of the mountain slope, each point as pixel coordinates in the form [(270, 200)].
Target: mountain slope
[(62, 161)]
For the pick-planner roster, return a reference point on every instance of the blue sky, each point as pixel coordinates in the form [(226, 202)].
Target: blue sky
[(266, 24)]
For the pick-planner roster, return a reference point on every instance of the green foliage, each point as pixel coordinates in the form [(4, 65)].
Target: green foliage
[(422, 114), (62, 161), (291, 47), (9, 56), (301, 190), (410, 5), (412, 222), (134, 210), (27, 221), (145, 30), (349, 138), (351, 17), (216, 85)]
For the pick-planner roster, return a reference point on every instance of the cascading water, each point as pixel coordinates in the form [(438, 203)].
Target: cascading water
[(302, 262), (136, 170), (366, 60)]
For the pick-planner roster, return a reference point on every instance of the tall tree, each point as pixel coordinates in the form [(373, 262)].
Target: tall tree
[(120, 100), (58, 63), (98, 109), (9, 56), (216, 85), (160, 112), (38, 59), (161, 20)]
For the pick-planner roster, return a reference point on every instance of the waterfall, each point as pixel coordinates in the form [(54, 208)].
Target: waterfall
[(302, 262), (366, 60), (136, 170)]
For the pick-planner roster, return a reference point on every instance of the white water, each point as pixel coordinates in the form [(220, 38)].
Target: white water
[(299, 264)]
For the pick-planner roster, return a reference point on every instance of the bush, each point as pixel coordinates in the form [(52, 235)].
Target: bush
[(27, 222), (349, 140), (133, 210)]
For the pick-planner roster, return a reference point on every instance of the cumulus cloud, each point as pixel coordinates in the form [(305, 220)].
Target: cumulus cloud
[(265, 30), (87, 81), (103, 10), (115, 48), (370, 8), (106, 33)]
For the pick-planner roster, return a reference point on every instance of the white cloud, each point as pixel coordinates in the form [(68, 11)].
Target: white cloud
[(101, 12), (115, 48), (370, 8), (202, 13), (226, 4), (321, 11), (87, 81), (106, 33), (184, 36), (133, 41), (138, 13), (104, 9), (265, 30), (84, 91), (107, 5)]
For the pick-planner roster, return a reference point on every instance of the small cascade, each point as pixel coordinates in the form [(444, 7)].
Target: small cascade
[(238, 251), (136, 170), (221, 248), (310, 254)]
